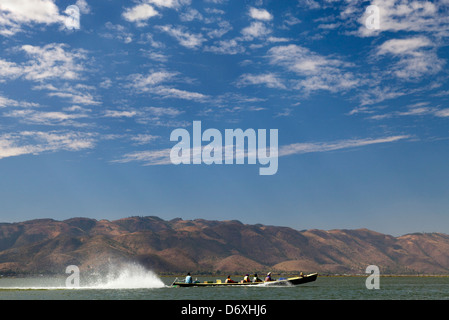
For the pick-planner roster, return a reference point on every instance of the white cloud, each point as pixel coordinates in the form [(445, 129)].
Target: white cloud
[(317, 72), (417, 109), (53, 61), (156, 56), (6, 102), (149, 38), (167, 92), (256, 29), (310, 4), (190, 15), (9, 69), (153, 83), (216, 1), (156, 116), (286, 112), (37, 142), (403, 46), (223, 28), (77, 94), (416, 57), (119, 114), (169, 3), (152, 157), (117, 31), (49, 118), (300, 148), (379, 94), (144, 138), (15, 13), (145, 10), (214, 11), (162, 156), (47, 62), (76, 108), (40, 11), (278, 39), (160, 116), (270, 80), (186, 39), (260, 14), (300, 59), (106, 84), (162, 111), (289, 21), (442, 113), (83, 6), (146, 82), (54, 140), (140, 13), (226, 47), (403, 15)]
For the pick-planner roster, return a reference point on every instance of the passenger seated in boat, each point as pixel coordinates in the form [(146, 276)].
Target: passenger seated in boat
[(301, 274), (256, 278), (188, 278), (229, 280), (246, 279), (268, 277)]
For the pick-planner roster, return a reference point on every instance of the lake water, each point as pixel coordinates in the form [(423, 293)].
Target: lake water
[(148, 286)]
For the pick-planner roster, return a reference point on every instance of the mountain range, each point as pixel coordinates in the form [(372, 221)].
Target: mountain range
[(205, 246)]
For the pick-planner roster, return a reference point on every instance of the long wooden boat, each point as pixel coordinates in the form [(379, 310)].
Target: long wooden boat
[(294, 281)]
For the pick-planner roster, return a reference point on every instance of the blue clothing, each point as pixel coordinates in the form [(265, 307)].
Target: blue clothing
[(188, 279)]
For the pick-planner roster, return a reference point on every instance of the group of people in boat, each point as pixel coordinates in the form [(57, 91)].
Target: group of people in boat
[(255, 278), (247, 278)]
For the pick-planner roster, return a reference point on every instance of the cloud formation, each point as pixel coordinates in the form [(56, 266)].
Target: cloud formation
[(47, 62), (37, 142)]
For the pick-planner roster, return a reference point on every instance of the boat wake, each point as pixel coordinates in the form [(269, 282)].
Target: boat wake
[(129, 276)]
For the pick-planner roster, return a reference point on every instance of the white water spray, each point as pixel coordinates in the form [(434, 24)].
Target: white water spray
[(122, 276), (128, 276)]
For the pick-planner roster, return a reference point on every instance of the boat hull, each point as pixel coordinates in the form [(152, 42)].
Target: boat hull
[(286, 282)]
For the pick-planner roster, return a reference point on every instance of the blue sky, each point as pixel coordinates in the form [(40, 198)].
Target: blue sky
[(362, 113)]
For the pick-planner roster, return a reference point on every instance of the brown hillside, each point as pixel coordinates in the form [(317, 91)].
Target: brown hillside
[(46, 245)]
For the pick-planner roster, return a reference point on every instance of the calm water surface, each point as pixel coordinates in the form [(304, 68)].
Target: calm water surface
[(155, 288)]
